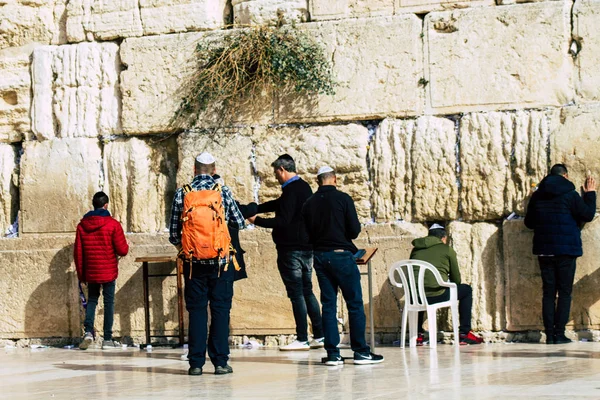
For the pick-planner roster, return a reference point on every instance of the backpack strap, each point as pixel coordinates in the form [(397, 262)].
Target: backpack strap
[(187, 188)]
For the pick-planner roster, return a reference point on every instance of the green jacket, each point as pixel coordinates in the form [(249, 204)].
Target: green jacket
[(441, 256)]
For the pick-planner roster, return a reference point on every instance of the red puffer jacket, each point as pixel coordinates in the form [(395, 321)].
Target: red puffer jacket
[(98, 242)]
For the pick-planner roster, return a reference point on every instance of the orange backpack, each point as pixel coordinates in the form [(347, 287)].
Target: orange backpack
[(204, 234)]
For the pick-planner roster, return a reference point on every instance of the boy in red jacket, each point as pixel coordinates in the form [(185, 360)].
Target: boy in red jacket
[(98, 243)]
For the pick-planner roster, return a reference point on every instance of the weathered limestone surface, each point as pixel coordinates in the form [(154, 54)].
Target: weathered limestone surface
[(377, 63), (141, 182), (524, 282), (23, 22), (15, 97), (343, 147), (586, 14), (76, 91), (59, 177), (157, 74), (234, 160), (260, 12), (9, 182), (403, 155), (502, 156), (325, 9), (90, 20), (575, 142), (520, 67), (422, 6), (480, 259)]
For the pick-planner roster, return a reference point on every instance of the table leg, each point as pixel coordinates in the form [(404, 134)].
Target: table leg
[(146, 301), (371, 319), (180, 300)]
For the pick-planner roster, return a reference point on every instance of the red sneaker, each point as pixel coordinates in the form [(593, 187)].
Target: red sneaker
[(420, 339), (470, 338)]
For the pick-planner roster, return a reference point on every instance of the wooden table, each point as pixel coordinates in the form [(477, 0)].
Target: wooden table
[(146, 260), (366, 260)]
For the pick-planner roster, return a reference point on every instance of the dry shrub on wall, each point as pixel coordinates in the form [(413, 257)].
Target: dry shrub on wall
[(237, 69)]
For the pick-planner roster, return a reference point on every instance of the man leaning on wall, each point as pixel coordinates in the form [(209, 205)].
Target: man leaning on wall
[(556, 213)]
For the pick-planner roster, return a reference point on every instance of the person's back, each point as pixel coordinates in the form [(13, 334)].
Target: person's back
[(442, 257), (99, 241)]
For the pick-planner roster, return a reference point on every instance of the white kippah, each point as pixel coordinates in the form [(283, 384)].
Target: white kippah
[(205, 158), (324, 169), (436, 226)]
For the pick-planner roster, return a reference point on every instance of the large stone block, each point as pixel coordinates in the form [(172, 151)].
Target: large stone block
[(502, 156), (377, 64), (15, 97), (586, 14), (76, 91), (141, 182), (158, 73), (526, 65), (9, 182), (24, 22), (343, 147), (480, 259), (424, 6), (169, 16), (575, 142), (402, 156), (261, 12), (58, 180), (233, 153), (325, 9)]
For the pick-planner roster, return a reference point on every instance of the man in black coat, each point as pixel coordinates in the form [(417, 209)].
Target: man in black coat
[(556, 213), (294, 253)]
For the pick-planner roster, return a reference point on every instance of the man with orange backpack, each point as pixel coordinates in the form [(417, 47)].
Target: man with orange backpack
[(200, 216)]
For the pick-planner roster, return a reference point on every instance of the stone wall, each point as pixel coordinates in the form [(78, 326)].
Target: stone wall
[(447, 111)]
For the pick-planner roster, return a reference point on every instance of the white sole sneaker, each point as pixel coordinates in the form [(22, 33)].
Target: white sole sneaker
[(85, 343), (334, 363), (295, 349), (367, 362)]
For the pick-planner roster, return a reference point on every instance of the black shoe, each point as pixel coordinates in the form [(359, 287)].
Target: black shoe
[(367, 358), (333, 360), (195, 371), (549, 337), (561, 339), (223, 370)]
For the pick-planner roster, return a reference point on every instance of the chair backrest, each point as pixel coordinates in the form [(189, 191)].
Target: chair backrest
[(414, 290)]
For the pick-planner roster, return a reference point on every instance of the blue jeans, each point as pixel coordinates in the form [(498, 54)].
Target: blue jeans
[(339, 270), (208, 287), (295, 268), (108, 293)]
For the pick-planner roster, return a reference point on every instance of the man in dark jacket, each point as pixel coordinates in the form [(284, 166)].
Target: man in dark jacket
[(294, 253), (331, 224), (98, 242), (435, 250), (555, 213)]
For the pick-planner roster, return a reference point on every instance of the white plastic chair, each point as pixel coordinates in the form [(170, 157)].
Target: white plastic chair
[(416, 301)]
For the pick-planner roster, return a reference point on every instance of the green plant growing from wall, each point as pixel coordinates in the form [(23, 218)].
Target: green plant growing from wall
[(236, 69)]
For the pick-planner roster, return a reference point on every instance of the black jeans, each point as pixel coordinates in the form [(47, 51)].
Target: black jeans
[(465, 304), (558, 273), (208, 287), (108, 294), (295, 268), (339, 270)]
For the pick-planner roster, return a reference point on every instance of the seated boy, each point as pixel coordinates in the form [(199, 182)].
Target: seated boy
[(98, 242), (435, 250)]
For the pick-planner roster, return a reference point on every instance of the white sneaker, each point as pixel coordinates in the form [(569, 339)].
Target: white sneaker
[(88, 339), (317, 343), (296, 345), (110, 345)]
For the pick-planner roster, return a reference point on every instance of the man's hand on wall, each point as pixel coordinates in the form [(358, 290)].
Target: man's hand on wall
[(589, 185)]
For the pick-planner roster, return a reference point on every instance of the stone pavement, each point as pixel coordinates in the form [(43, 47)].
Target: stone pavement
[(471, 372)]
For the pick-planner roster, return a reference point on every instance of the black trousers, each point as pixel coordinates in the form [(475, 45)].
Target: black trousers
[(465, 303), (558, 273)]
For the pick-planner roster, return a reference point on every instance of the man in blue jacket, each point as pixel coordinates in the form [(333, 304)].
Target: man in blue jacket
[(555, 213)]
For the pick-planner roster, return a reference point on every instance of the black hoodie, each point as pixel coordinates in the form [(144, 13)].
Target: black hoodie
[(555, 213)]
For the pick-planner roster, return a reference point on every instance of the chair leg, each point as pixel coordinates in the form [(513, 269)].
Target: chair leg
[(413, 330), (432, 324), (404, 322), (455, 323)]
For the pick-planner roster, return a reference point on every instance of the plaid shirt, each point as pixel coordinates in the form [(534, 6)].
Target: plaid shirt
[(233, 216)]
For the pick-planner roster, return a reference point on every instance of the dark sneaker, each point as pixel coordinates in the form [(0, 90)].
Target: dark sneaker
[(87, 340), (333, 360), (195, 371), (470, 338), (549, 338), (110, 345), (561, 339), (367, 358), (223, 370)]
